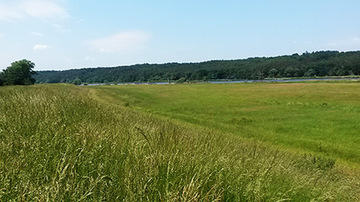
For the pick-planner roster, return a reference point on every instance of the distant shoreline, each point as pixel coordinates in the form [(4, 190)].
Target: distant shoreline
[(229, 81)]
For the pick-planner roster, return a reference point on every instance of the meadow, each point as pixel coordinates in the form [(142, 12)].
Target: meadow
[(321, 118), (179, 143)]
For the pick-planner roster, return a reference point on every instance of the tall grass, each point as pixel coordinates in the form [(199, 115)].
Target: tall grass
[(61, 143)]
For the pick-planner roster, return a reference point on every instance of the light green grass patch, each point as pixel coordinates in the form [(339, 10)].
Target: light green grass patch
[(319, 118)]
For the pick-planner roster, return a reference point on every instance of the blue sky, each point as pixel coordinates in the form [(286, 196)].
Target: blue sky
[(64, 34)]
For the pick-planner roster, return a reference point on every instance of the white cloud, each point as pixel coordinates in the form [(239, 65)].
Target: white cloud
[(57, 26), (9, 12), (40, 47), (1, 35), (89, 59), (124, 41), (60, 28), (43, 9), (39, 34)]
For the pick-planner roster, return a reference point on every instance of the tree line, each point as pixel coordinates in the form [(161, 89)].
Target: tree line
[(321, 63)]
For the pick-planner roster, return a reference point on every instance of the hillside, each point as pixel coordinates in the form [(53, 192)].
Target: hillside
[(323, 63)]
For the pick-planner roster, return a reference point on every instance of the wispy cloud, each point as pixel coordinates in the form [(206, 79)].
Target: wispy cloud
[(89, 59), (124, 41), (1, 35), (39, 34), (43, 9), (40, 47), (60, 28), (353, 42), (9, 12)]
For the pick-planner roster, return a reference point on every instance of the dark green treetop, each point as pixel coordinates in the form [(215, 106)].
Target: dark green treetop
[(19, 73)]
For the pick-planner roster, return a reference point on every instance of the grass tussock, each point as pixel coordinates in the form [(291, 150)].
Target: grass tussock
[(59, 144)]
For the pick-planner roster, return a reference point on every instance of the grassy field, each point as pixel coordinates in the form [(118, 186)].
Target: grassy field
[(69, 143), (321, 118)]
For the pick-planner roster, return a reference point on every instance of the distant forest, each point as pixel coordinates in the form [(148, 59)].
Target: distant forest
[(322, 63)]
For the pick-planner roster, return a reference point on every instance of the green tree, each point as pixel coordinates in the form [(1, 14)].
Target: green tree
[(258, 75), (2, 80), (310, 72), (273, 72), (292, 72), (19, 73), (77, 81)]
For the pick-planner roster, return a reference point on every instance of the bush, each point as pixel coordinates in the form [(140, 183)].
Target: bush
[(77, 81), (19, 73)]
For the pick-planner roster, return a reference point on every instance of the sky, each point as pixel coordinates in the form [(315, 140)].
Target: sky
[(71, 34)]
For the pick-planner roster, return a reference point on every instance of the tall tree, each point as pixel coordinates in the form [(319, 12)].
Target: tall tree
[(19, 73)]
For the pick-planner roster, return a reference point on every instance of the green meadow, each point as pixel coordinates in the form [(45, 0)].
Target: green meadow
[(321, 118), (199, 142)]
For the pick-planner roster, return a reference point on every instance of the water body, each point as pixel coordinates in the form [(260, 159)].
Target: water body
[(285, 80), (238, 81), (137, 83)]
